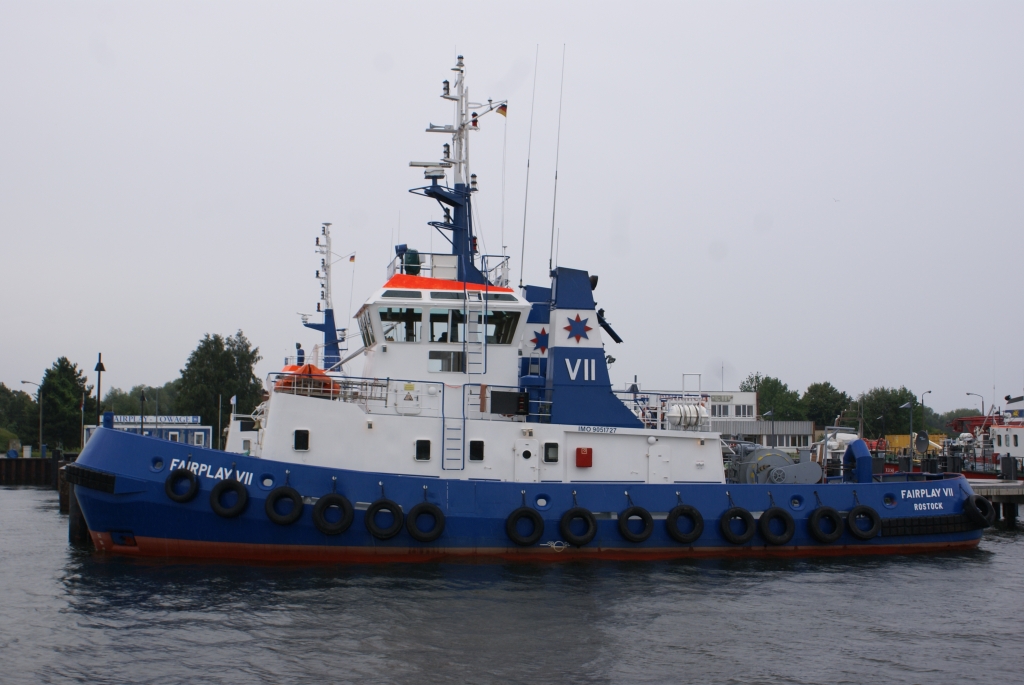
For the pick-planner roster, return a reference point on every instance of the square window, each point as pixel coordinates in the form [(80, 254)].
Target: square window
[(422, 450), (247, 446), (199, 439), (551, 453), (476, 450), (301, 441), (173, 436)]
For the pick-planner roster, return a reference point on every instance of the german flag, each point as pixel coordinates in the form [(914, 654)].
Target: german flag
[(352, 257), (503, 110)]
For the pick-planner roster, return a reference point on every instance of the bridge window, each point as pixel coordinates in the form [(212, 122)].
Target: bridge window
[(476, 450), (500, 296), (438, 325), (1015, 440), (406, 294), (448, 295), (445, 362), (999, 440), (401, 324), (366, 329), (501, 327), (447, 325), (173, 436)]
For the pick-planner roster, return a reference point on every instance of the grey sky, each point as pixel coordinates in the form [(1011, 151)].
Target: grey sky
[(820, 191)]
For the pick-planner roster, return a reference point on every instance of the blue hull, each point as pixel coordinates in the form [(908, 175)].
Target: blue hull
[(137, 517)]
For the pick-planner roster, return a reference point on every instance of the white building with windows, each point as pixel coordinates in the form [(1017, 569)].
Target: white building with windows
[(184, 429), (735, 415)]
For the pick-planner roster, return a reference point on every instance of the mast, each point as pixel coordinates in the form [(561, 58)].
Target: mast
[(458, 196), (332, 348)]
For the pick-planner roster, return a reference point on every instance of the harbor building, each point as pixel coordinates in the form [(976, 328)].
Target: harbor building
[(185, 429), (736, 416)]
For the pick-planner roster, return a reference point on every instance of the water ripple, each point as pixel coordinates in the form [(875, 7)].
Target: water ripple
[(74, 617)]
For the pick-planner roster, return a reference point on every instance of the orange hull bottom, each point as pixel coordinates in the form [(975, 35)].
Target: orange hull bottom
[(235, 551)]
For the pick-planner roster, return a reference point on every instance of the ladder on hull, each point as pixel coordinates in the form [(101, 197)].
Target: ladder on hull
[(453, 426)]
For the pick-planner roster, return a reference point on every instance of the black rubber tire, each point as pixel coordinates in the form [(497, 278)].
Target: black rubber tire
[(565, 526), (672, 524), (748, 521), (371, 522), (235, 509), (644, 515), (284, 492), (172, 480), (320, 514), (872, 515), (425, 509), (980, 511), (815, 529), (513, 533), (764, 526)]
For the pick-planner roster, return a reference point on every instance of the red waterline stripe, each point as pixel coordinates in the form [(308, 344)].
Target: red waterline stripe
[(239, 551)]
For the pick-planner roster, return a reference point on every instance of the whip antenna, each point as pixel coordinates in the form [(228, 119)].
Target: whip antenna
[(558, 144), (504, 151), (529, 147)]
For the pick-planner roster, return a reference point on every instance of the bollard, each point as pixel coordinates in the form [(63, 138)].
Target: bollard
[(78, 531), (1010, 513), (63, 486), (1008, 468)]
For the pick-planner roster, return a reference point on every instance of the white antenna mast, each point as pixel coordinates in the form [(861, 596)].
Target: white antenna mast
[(323, 247), (558, 145), (529, 147)]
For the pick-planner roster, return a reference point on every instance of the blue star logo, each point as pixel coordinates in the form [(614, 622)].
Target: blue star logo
[(540, 340), (578, 329)]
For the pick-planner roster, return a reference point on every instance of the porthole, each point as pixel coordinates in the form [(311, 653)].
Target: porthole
[(527, 454)]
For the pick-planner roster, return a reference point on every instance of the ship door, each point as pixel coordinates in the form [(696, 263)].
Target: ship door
[(659, 463), (527, 464)]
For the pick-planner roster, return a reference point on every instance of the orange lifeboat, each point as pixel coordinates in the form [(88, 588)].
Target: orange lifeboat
[(306, 380)]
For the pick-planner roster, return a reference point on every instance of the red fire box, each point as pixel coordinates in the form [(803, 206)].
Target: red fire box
[(584, 457)]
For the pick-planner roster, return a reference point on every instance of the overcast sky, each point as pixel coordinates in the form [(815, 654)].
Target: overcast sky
[(820, 191)]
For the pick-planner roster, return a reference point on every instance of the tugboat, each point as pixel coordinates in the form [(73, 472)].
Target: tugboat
[(483, 423)]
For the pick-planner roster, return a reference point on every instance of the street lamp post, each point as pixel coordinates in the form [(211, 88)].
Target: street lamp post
[(40, 412), (910, 448), (926, 392), (982, 401), (99, 369), (771, 413)]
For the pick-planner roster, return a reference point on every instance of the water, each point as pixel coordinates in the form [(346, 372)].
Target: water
[(69, 616)]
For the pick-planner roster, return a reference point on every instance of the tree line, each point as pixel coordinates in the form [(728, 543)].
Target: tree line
[(826, 405), (219, 368)]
